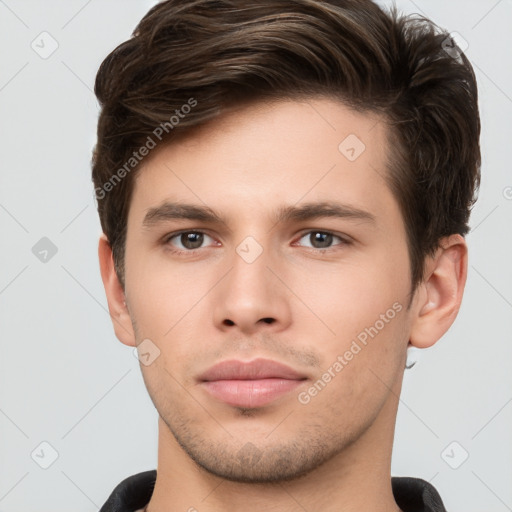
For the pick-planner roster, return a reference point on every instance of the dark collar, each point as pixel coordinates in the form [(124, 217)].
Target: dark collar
[(411, 494)]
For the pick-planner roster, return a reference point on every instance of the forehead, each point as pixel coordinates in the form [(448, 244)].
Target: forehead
[(264, 153)]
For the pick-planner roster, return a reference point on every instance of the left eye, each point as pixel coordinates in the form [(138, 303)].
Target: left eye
[(321, 239)]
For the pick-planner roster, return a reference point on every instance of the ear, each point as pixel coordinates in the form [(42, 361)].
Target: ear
[(115, 294), (439, 296)]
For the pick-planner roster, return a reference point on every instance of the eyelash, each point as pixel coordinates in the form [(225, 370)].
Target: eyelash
[(167, 239)]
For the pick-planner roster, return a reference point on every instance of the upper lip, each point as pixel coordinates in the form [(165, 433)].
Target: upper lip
[(250, 370)]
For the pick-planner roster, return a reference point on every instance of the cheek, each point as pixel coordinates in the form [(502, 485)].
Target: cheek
[(363, 372), (350, 295), (364, 307), (161, 295)]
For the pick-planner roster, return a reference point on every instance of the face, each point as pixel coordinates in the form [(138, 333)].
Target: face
[(267, 274)]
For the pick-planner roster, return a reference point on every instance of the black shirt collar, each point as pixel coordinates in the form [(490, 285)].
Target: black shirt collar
[(411, 494)]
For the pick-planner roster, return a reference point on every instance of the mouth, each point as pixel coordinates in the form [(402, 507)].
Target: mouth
[(250, 384)]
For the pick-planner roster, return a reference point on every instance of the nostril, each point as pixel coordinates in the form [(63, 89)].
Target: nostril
[(268, 320), (228, 322)]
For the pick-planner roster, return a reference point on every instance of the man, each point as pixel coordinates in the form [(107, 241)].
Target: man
[(284, 189)]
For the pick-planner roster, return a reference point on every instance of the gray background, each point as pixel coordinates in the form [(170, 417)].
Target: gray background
[(67, 381)]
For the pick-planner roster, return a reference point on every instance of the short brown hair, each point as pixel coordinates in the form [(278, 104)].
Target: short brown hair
[(214, 54)]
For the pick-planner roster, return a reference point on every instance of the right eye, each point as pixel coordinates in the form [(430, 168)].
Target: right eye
[(188, 240)]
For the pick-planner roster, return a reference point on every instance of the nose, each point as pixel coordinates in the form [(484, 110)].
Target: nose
[(251, 296)]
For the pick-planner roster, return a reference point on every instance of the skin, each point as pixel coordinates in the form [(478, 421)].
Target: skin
[(208, 305)]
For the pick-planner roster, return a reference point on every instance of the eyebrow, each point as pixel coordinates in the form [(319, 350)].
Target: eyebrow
[(308, 211)]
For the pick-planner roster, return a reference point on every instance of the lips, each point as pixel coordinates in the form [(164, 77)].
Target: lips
[(250, 384)]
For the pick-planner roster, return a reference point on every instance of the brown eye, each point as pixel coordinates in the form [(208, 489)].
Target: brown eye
[(187, 240), (191, 240)]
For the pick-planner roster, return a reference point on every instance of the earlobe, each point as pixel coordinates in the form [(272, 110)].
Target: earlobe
[(439, 297), (116, 300)]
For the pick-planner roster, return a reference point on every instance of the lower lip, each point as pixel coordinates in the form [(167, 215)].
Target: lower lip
[(250, 393)]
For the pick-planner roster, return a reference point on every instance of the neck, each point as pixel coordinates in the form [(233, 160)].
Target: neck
[(359, 478)]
